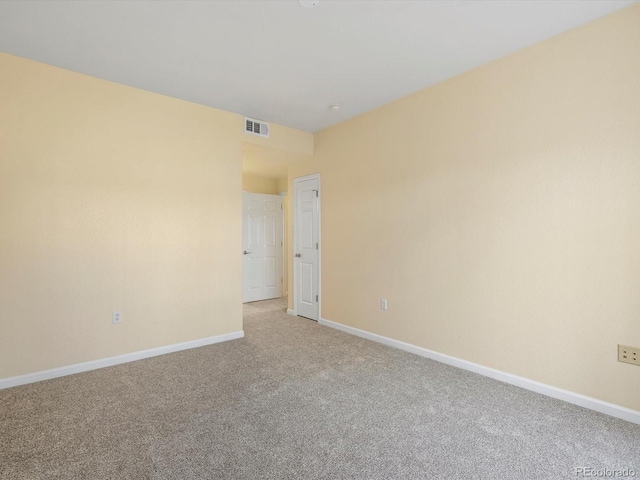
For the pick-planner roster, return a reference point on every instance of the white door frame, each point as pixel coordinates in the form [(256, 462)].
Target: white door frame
[(285, 244), (295, 243)]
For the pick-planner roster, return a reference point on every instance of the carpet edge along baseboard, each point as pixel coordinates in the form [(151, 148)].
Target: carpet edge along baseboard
[(574, 398), (115, 360)]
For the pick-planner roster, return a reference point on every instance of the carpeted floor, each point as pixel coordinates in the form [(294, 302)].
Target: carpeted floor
[(297, 400)]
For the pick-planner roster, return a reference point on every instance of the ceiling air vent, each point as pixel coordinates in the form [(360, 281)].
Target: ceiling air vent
[(256, 127)]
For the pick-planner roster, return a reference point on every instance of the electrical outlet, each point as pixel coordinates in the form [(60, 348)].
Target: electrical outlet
[(383, 304), (629, 354), (117, 317)]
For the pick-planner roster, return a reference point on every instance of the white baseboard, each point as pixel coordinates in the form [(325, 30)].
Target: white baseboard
[(117, 360), (291, 312), (548, 390)]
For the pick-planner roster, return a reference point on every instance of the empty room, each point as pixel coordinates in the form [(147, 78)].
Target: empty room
[(319, 239)]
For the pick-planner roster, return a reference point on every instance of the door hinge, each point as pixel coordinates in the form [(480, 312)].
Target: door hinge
[(317, 246), (316, 298), (316, 192)]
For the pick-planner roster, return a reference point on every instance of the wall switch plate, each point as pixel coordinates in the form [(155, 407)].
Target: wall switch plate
[(383, 304), (629, 354), (117, 317)]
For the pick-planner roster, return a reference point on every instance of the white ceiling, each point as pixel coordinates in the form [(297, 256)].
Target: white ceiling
[(277, 61)]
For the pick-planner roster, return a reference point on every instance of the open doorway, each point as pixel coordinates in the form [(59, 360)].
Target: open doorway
[(268, 170)]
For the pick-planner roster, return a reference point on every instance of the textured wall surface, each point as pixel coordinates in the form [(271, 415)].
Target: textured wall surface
[(499, 213), (257, 184), (112, 198)]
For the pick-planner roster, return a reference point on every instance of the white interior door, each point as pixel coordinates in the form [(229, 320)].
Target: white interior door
[(261, 246), (306, 191)]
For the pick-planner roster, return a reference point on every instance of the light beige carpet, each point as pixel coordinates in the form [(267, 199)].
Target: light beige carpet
[(296, 400)]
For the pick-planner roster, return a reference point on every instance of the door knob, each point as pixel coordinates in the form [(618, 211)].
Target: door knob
[(246, 253), (298, 255)]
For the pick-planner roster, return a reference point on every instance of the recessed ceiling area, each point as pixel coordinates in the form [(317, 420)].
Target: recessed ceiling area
[(277, 61)]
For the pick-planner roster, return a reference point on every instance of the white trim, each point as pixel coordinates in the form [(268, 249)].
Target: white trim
[(285, 244), (117, 360), (591, 403), (291, 312), (295, 241)]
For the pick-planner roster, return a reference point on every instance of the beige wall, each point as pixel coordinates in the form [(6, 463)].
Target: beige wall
[(258, 184), (283, 185), (112, 198), (282, 141), (499, 213)]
